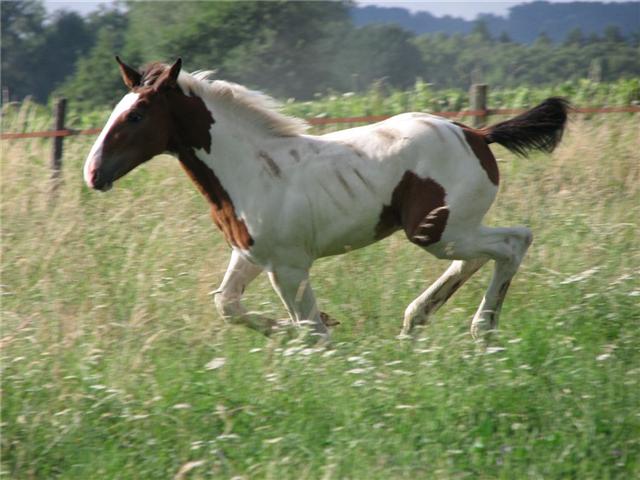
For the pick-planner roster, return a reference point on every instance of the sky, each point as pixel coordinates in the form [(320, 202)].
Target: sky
[(456, 8)]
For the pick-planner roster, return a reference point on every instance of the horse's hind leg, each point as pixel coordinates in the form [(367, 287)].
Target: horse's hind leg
[(418, 312), (507, 246), (239, 274)]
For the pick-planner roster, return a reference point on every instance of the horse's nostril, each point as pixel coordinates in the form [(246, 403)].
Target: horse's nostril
[(95, 179)]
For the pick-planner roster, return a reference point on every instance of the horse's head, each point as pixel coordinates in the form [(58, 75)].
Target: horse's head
[(138, 129)]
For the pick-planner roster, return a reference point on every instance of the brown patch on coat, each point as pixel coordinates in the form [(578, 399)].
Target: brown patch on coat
[(222, 210), (418, 207), (272, 167), (193, 132), (476, 140), (345, 185)]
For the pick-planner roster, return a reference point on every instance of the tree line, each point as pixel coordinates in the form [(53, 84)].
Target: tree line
[(524, 22), (289, 49)]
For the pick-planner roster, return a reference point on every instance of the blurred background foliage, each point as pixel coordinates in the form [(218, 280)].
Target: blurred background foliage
[(300, 50)]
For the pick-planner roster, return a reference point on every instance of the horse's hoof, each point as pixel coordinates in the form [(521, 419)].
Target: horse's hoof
[(481, 328)]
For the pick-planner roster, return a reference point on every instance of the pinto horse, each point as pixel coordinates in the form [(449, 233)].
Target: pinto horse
[(283, 198)]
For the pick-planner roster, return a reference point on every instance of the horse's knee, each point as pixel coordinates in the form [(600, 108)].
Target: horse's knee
[(526, 236)]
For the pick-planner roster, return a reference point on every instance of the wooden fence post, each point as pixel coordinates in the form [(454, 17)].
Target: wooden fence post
[(56, 152), (478, 99)]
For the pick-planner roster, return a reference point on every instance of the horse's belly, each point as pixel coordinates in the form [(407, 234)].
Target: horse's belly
[(345, 234)]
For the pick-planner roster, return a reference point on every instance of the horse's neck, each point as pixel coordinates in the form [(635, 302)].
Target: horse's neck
[(234, 150), (232, 156)]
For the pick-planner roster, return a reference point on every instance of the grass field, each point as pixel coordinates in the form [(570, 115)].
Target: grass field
[(115, 364)]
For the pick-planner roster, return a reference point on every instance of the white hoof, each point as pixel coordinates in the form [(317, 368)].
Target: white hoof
[(481, 327)]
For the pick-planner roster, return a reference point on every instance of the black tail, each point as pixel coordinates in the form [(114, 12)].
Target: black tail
[(540, 128)]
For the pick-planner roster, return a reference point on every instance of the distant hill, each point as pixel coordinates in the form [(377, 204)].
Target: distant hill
[(524, 22)]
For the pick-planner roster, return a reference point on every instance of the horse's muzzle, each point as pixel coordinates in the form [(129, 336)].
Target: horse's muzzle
[(99, 181)]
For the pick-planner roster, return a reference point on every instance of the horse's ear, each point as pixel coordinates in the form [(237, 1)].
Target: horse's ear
[(169, 79), (130, 76)]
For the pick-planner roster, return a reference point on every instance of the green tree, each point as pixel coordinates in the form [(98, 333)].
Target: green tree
[(278, 46), (376, 52), (481, 31), (66, 38), (22, 35), (97, 81), (575, 37), (612, 34)]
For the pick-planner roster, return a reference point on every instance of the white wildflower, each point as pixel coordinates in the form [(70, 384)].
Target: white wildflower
[(216, 363), (272, 441)]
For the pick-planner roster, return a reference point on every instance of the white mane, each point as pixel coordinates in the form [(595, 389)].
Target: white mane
[(255, 106)]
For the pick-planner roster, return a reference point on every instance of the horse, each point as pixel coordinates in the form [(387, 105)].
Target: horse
[(284, 198)]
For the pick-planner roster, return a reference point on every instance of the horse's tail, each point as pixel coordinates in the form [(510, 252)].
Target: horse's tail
[(540, 128)]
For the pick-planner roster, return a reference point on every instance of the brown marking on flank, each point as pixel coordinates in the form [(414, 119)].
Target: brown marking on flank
[(345, 184), (418, 207), (296, 156), (434, 127), (272, 166), (222, 209), (366, 182), (476, 140)]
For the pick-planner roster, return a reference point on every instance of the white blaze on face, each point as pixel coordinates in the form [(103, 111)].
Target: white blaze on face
[(96, 151)]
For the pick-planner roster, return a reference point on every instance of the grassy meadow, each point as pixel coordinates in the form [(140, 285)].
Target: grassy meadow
[(116, 366)]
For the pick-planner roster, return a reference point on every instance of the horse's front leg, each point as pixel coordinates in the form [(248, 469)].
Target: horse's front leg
[(239, 274), (292, 285)]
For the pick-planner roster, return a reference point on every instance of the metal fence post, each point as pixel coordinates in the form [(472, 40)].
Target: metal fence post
[(478, 102), (60, 110)]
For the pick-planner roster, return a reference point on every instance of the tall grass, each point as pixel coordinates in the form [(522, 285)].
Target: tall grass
[(116, 366)]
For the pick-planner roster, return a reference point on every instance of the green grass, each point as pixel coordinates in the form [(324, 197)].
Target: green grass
[(107, 330)]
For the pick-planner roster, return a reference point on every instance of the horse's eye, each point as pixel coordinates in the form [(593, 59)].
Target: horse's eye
[(134, 117)]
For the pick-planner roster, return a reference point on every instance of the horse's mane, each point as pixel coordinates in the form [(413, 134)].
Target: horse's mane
[(262, 109)]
